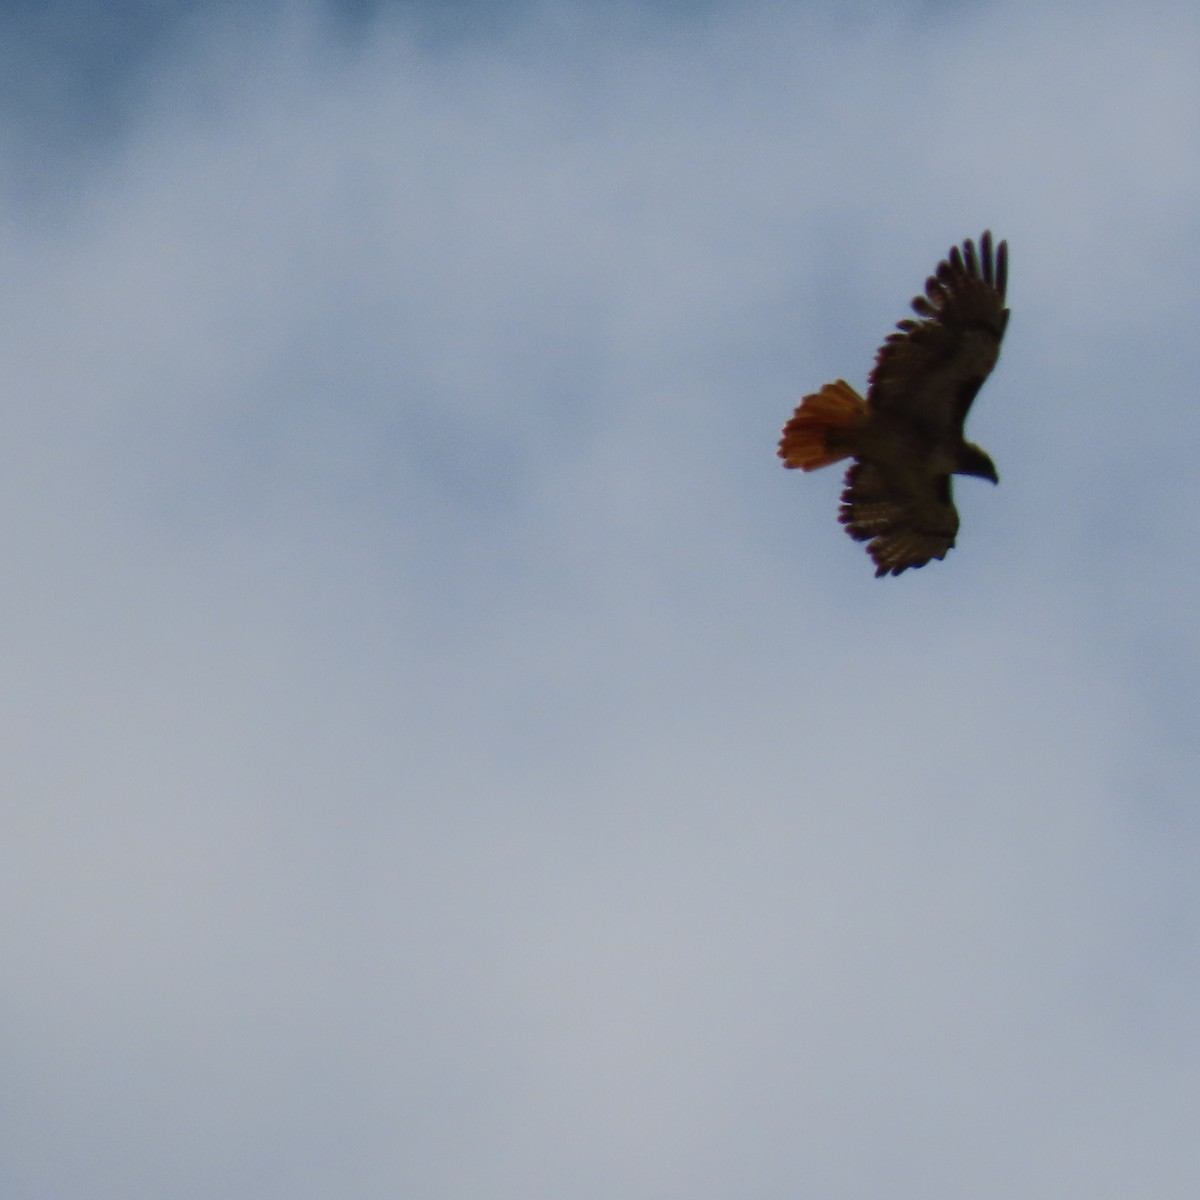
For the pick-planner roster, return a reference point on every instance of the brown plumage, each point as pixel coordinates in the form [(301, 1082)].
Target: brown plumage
[(906, 437)]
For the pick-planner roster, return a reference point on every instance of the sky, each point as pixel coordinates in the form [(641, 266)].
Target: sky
[(444, 754)]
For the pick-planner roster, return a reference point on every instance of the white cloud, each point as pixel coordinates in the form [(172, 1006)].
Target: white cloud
[(447, 756)]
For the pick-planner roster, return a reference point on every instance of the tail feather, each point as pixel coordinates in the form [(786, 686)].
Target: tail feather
[(822, 429)]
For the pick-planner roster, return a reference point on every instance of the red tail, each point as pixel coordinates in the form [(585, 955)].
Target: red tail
[(822, 429)]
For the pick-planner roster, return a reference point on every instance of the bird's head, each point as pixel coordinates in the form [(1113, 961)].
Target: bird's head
[(973, 461)]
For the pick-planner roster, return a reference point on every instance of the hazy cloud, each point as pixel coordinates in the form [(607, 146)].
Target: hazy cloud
[(447, 757)]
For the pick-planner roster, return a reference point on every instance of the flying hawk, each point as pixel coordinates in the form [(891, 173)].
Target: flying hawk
[(906, 437)]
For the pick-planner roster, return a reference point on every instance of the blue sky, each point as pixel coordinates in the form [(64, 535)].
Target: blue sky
[(445, 755)]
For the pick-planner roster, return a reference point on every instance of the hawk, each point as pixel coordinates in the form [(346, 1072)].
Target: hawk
[(906, 437)]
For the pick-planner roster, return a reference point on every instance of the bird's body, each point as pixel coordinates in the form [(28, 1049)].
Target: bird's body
[(906, 437)]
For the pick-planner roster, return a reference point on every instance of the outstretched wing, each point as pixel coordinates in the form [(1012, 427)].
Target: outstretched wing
[(906, 518), (929, 370)]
